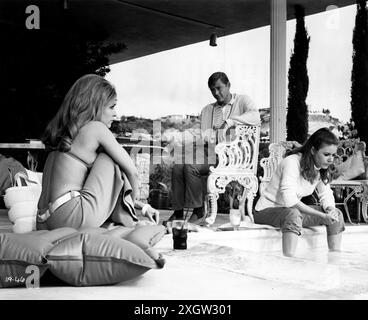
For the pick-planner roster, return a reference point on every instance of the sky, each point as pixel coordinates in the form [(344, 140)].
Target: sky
[(175, 81)]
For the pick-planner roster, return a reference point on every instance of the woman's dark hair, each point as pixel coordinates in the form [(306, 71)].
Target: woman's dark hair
[(216, 76), (317, 140)]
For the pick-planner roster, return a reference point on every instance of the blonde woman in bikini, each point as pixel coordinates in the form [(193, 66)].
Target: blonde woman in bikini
[(88, 178)]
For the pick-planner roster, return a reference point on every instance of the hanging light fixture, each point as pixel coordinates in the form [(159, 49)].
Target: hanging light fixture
[(213, 39)]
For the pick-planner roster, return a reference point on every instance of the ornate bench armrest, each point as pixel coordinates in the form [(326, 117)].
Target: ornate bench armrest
[(270, 163)]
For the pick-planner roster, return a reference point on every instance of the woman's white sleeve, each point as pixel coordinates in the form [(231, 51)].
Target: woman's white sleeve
[(290, 175), (325, 195)]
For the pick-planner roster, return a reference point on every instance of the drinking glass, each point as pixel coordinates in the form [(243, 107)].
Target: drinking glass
[(235, 218), (180, 234)]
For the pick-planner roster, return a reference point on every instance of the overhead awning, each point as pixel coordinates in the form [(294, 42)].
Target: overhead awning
[(151, 26)]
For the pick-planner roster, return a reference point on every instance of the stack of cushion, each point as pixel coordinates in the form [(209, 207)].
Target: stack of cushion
[(22, 204), (85, 257), (21, 199)]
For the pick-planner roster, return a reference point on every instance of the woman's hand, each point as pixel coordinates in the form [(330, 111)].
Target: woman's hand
[(152, 214), (331, 216)]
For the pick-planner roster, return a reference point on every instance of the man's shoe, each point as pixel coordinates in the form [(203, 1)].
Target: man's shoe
[(177, 215), (197, 215)]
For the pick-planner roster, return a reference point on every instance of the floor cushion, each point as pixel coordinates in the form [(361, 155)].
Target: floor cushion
[(143, 236), (146, 237), (19, 251), (86, 257), (89, 259)]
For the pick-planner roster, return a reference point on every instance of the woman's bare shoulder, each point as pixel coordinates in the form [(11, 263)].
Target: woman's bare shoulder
[(87, 140), (93, 128)]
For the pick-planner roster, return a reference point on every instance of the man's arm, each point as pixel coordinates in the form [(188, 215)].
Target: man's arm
[(249, 113)]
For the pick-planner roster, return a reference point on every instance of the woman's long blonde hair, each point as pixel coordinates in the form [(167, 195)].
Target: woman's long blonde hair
[(83, 103)]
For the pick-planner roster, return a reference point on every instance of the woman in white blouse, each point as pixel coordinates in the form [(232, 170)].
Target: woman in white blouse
[(304, 170)]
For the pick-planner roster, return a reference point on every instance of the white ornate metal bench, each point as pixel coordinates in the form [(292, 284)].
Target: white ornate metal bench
[(237, 161), (357, 188), (354, 188)]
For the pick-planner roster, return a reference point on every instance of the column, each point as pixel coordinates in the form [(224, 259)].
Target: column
[(278, 79)]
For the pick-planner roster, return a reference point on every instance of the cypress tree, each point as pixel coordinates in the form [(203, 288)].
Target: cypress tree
[(297, 114), (359, 74)]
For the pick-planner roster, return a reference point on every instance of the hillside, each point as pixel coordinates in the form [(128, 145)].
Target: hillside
[(316, 121), (173, 130)]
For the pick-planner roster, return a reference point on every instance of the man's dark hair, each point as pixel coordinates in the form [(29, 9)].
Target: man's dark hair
[(217, 75)]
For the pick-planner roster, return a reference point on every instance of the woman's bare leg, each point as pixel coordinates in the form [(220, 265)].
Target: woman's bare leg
[(334, 242), (289, 242)]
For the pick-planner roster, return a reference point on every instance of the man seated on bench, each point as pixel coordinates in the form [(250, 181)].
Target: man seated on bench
[(216, 119), (302, 171)]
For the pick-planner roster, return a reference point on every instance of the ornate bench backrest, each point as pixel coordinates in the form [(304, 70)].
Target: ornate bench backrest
[(237, 161), (241, 154), (270, 163), (347, 148)]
